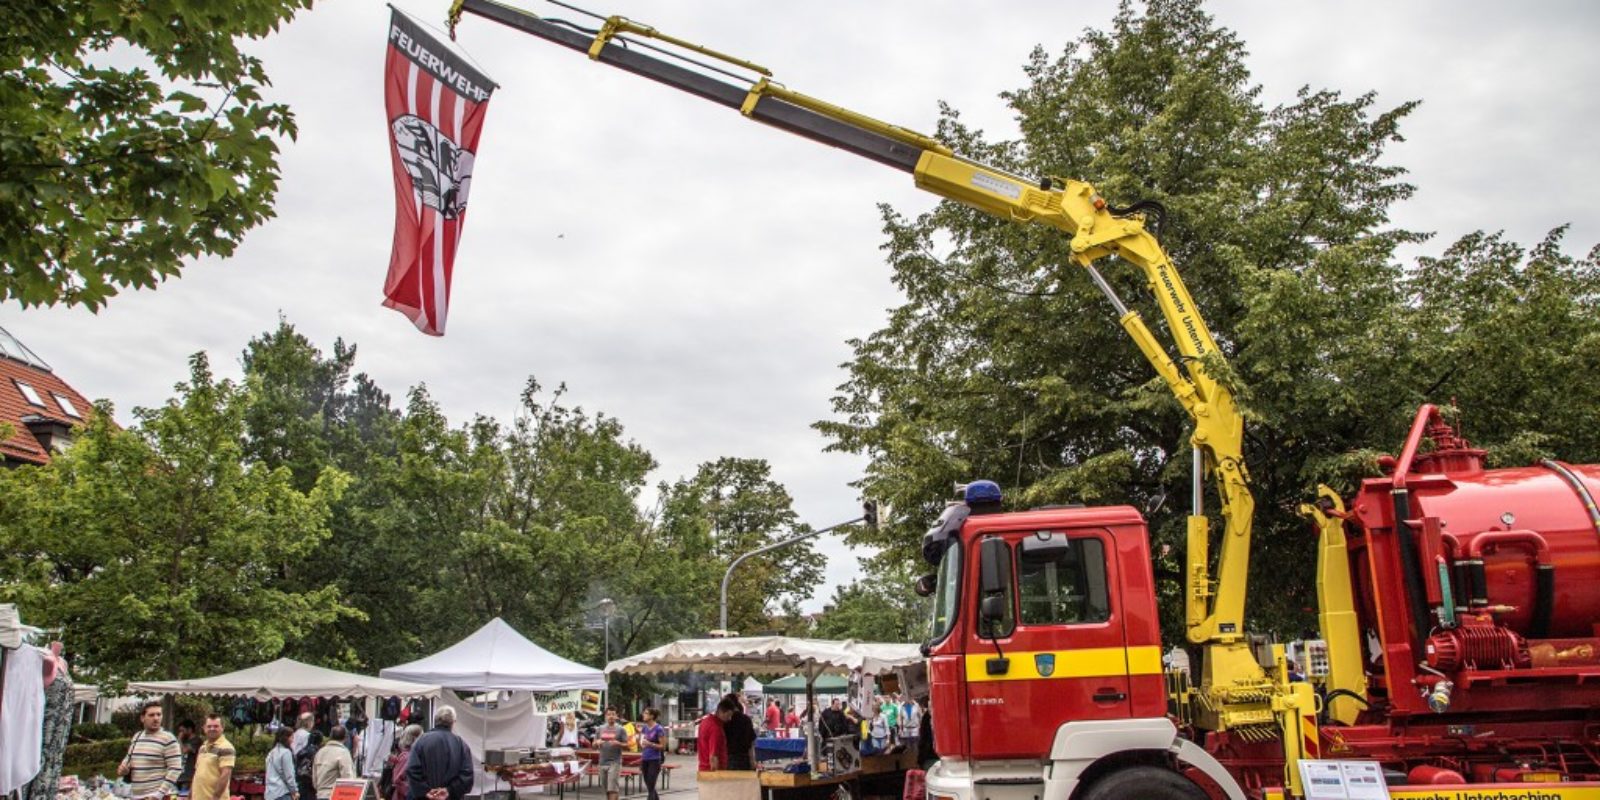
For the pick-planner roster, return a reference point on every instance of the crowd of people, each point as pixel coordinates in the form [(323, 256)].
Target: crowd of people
[(306, 764), (725, 738), (302, 765)]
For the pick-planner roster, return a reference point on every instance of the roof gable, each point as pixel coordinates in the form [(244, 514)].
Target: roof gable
[(14, 406)]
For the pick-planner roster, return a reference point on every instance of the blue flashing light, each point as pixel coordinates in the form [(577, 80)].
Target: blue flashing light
[(982, 492)]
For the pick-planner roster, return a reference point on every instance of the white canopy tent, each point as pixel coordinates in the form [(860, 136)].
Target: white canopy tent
[(496, 657), (288, 678), (770, 655), (773, 654)]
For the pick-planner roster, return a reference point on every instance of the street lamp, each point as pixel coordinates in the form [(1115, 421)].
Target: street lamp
[(869, 515), (607, 608)]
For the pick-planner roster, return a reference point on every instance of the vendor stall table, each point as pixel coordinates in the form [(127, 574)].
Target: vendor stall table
[(248, 785), (776, 785), (529, 776)]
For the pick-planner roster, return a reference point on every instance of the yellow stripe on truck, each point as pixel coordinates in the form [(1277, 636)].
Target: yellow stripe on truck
[(1088, 663)]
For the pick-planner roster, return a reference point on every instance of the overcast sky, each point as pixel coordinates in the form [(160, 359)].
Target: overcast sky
[(696, 275)]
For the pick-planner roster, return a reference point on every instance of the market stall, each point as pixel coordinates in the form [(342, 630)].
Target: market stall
[(496, 658), (287, 679), (766, 655)]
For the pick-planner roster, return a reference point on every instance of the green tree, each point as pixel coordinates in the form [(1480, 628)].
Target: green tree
[(733, 506), (110, 176), (306, 414), (1005, 363), (569, 503), (878, 608), (163, 549)]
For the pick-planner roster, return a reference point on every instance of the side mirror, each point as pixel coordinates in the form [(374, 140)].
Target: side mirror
[(993, 608), (925, 585), (994, 558)]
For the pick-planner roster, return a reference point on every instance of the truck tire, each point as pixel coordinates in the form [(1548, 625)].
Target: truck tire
[(1144, 783)]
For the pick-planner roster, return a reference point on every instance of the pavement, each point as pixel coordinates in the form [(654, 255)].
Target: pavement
[(684, 785)]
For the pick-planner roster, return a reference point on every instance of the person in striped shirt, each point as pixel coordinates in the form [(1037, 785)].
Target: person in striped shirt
[(154, 760)]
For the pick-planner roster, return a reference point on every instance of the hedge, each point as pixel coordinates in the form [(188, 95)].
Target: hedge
[(101, 758)]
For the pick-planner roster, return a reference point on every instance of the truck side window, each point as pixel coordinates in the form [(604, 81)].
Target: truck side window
[(948, 595), (1065, 585)]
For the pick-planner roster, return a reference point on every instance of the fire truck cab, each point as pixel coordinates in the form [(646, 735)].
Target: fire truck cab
[(1045, 653)]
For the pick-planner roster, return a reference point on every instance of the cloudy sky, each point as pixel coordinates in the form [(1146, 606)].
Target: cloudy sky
[(696, 275)]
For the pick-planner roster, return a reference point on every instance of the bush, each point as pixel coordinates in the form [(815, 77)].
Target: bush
[(92, 758), (193, 709), (96, 732), (101, 758)]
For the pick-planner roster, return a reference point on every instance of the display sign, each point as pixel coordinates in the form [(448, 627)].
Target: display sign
[(568, 702), (590, 701), (1343, 780), (353, 789)]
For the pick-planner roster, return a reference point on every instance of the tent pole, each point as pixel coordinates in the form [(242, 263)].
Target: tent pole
[(807, 726)]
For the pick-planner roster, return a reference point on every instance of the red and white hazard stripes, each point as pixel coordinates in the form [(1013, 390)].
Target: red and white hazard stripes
[(436, 103)]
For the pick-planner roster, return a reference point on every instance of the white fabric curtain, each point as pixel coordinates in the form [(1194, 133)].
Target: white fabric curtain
[(512, 724)]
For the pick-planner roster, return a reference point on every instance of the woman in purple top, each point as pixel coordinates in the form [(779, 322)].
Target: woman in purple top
[(653, 748)]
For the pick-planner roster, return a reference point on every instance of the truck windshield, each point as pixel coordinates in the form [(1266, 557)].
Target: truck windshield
[(948, 594)]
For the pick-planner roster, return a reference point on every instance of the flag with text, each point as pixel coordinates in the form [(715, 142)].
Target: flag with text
[(436, 103)]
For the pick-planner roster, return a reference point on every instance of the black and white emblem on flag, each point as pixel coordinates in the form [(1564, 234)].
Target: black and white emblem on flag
[(440, 170)]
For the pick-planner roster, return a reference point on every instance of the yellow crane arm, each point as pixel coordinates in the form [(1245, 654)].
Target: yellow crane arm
[(1214, 610)]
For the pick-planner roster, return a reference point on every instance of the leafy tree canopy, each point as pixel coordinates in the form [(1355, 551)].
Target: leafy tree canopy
[(111, 176), (163, 550), (1006, 363)]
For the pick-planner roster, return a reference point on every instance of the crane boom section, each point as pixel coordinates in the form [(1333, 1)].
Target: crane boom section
[(1214, 610)]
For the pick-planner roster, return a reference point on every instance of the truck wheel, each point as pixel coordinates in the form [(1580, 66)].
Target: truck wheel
[(1144, 783)]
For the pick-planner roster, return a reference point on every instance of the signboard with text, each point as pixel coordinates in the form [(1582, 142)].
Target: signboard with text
[(557, 702)]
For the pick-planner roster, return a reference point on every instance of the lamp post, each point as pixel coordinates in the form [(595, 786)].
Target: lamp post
[(869, 515), (607, 608)]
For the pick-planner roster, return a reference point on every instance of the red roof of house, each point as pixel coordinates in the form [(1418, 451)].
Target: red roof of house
[(14, 406)]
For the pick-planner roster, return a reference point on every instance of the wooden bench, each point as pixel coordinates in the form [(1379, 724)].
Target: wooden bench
[(666, 775), (628, 774)]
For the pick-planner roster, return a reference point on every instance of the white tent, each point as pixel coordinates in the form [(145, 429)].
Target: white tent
[(770, 655), (497, 657), (774, 654), (288, 678)]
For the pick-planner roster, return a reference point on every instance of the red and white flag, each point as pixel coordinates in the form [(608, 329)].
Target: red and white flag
[(436, 102)]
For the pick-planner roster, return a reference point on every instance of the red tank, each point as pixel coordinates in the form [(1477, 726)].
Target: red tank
[(1464, 572)]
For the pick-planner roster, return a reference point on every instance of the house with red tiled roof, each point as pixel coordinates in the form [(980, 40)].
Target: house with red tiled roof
[(37, 404)]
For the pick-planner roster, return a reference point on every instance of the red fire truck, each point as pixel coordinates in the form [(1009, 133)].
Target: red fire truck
[(1457, 602)]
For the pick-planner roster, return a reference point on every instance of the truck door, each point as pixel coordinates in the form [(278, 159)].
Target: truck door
[(1061, 632)]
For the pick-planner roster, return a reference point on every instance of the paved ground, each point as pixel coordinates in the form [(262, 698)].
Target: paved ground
[(683, 783)]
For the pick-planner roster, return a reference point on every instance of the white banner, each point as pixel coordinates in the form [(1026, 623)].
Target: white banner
[(557, 702)]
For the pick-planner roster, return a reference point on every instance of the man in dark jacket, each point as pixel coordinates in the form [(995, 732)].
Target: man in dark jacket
[(741, 733), (833, 721), (441, 766)]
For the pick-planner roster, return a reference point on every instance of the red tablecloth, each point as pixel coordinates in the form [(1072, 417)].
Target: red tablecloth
[(527, 777)]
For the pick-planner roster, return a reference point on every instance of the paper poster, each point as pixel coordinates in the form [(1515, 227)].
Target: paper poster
[(1343, 780)]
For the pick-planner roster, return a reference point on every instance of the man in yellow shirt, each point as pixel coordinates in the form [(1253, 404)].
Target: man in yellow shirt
[(213, 765)]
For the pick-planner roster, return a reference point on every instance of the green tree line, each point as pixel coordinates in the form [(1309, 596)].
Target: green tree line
[(300, 511), (1005, 362)]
